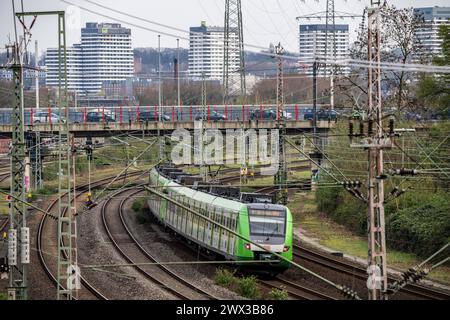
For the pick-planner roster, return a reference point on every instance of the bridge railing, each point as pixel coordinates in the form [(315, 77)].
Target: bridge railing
[(132, 114)]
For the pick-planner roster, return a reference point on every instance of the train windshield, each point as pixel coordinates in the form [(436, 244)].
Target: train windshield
[(267, 223)]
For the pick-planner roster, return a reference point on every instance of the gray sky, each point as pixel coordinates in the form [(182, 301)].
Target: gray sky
[(265, 21)]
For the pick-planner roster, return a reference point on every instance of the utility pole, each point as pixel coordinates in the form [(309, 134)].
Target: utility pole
[(330, 23), (374, 143), (203, 167), (18, 233), (68, 273), (233, 77), (178, 74), (37, 163), (161, 140), (281, 176)]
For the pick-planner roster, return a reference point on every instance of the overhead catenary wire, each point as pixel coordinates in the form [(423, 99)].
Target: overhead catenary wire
[(347, 62)]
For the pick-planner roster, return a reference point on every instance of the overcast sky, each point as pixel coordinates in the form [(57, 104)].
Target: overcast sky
[(265, 21)]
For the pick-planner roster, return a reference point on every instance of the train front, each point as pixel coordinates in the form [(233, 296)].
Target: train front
[(270, 226)]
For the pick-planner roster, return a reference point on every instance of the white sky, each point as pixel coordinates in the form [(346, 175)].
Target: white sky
[(265, 21)]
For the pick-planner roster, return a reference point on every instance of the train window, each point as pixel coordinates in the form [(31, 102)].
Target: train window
[(267, 223)]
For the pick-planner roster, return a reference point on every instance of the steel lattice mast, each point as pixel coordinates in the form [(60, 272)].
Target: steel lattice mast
[(233, 77), (376, 144), (330, 27), (18, 234), (281, 176), (68, 272), (65, 210)]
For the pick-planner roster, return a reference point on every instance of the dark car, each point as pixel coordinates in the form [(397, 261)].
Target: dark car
[(95, 116), (214, 116), (321, 114), (152, 116), (267, 114)]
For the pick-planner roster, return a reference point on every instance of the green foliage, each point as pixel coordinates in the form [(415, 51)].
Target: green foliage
[(278, 294), (342, 207), (138, 205), (47, 191), (224, 277), (248, 287), (423, 225), (435, 91)]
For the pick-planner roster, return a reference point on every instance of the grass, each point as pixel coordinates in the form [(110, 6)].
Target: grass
[(4, 208), (278, 294), (138, 207), (248, 287), (224, 277), (338, 238)]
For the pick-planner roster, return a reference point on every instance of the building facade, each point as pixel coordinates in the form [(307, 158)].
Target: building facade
[(74, 67), (206, 52), (312, 44), (104, 55), (428, 36)]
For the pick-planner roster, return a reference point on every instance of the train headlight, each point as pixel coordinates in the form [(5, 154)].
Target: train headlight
[(285, 248), (247, 246)]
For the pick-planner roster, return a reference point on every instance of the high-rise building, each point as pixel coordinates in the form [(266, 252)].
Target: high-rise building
[(428, 36), (107, 54), (74, 67), (104, 56), (206, 52), (312, 43)]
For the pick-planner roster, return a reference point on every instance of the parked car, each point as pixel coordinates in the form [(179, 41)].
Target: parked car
[(321, 114), (45, 117), (267, 114), (213, 116), (152, 116), (95, 116)]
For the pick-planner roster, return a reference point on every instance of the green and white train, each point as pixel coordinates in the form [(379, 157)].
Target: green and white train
[(268, 225)]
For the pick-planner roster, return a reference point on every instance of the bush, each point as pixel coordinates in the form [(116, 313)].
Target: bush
[(248, 287), (224, 277), (138, 205), (278, 294), (422, 225), (342, 207)]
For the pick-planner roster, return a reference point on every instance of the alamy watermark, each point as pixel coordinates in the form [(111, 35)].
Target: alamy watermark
[(213, 147)]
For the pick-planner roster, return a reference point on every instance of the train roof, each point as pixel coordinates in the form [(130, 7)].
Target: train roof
[(200, 195)]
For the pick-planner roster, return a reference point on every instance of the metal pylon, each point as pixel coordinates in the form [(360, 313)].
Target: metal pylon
[(233, 76), (281, 176), (65, 276), (376, 143), (18, 234), (204, 169), (330, 27)]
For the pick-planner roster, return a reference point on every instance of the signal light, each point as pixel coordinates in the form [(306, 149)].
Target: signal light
[(286, 248), (247, 246)]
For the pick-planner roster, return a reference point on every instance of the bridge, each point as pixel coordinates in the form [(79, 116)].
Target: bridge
[(81, 130)]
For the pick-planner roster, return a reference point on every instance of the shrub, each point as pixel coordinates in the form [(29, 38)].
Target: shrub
[(278, 294), (423, 226), (138, 205), (224, 277), (248, 287)]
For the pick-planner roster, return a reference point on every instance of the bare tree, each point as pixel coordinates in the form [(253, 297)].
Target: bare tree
[(399, 44)]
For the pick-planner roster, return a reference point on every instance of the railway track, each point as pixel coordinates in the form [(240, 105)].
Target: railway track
[(88, 291), (295, 290), (4, 223), (351, 269), (132, 251), (4, 176)]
